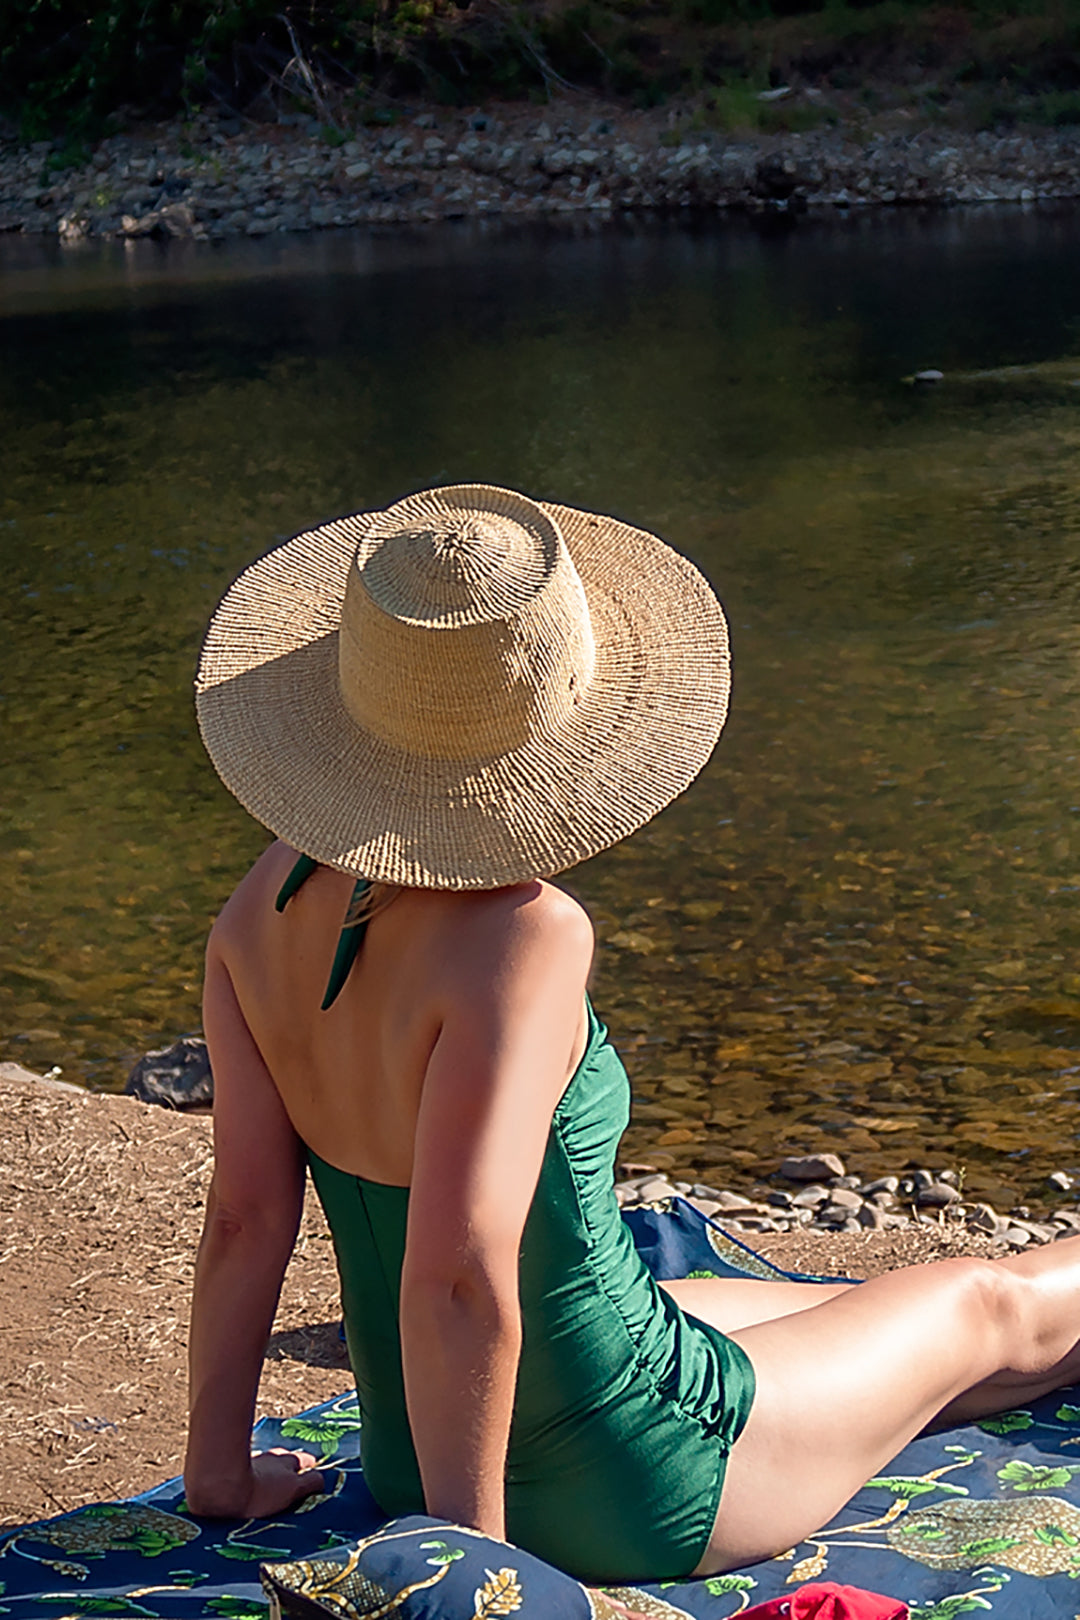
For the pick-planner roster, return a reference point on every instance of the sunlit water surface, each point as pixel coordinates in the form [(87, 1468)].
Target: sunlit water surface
[(859, 929)]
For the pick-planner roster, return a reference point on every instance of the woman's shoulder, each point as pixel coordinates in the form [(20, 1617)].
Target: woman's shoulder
[(253, 898), (530, 915), (490, 944)]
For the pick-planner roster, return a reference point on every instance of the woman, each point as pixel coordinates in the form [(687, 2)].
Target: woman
[(440, 705)]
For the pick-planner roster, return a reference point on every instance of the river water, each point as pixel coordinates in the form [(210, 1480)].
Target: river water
[(858, 930)]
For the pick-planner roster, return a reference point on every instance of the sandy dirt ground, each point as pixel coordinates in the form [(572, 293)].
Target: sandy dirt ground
[(100, 1213)]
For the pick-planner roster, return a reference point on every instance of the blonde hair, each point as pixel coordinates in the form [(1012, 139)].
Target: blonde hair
[(370, 902)]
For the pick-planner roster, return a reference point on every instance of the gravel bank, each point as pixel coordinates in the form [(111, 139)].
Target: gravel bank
[(208, 179), (817, 1195)]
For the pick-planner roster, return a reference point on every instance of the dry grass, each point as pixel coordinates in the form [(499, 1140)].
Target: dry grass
[(100, 1213)]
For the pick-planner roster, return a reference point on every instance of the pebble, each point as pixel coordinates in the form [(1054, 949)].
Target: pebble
[(811, 1197), (984, 1218), (656, 1187), (938, 1195), (732, 1200), (207, 177), (883, 1184), (811, 1166), (1041, 1231)]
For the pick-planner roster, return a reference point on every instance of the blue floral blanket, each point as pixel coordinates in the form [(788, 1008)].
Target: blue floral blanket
[(980, 1518)]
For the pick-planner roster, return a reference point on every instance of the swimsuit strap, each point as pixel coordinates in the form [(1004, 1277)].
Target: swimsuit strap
[(353, 929), (298, 876)]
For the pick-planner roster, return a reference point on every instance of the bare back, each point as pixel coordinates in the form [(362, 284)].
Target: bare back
[(351, 1078)]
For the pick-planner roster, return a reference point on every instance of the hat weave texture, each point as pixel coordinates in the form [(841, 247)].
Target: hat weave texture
[(464, 690)]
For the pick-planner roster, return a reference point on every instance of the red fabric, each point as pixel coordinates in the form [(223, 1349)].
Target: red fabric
[(824, 1600)]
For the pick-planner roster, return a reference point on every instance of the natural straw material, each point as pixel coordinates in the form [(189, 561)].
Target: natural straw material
[(467, 689)]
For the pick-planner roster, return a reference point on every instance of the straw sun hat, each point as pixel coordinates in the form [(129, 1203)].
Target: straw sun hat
[(467, 689)]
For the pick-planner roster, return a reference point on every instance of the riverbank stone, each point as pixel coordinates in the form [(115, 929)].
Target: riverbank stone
[(811, 1197), (177, 1076), (14, 1073), (811, 1167), (938, 1195)]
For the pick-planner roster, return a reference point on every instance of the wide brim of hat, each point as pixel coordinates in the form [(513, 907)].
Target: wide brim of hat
[(280, 737)]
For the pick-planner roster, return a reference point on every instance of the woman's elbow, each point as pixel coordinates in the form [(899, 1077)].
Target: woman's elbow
[(261, 1225), (461, 1293)]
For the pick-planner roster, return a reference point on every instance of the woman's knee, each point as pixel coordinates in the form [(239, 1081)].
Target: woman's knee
[(995, 1303)]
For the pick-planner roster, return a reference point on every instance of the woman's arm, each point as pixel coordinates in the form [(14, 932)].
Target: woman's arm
[(512, 1011), (252, 1215)]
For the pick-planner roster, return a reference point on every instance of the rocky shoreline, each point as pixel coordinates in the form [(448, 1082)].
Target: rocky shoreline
[(210, 179), (822, 1198), (819, 1195)]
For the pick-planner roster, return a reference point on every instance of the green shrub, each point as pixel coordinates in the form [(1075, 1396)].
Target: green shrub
[(1057, 108), (69, 65)]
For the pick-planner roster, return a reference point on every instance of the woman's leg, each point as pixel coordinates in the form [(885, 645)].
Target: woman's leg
[(844, 1384), (728, 1303)]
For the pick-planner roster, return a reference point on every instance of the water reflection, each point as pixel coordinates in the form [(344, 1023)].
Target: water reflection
[(857, 929)]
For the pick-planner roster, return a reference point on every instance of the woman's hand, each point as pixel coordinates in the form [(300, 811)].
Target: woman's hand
[(270, 1482), (279, 1480)]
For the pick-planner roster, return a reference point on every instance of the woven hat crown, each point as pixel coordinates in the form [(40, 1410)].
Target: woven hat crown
[(465, 631)]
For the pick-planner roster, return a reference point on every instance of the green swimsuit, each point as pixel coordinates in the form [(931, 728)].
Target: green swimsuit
[(625, 1408)]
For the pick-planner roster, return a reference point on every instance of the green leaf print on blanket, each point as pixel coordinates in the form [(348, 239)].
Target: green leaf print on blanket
[(906, 1487), (96, 1605), (325, 1432), (1007, 1422), (1023, 1476), (948, 1608)]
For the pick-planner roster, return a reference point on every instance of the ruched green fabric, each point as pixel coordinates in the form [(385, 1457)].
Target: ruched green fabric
[(625, 1409)]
